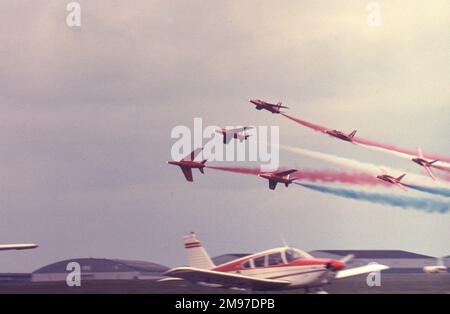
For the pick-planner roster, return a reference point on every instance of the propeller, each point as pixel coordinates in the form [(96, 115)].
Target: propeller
[(347, 258)]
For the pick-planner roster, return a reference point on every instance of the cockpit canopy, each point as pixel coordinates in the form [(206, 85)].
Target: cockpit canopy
[(276, 257)]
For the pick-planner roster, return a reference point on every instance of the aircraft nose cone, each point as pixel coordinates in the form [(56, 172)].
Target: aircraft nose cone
[(337, 265)]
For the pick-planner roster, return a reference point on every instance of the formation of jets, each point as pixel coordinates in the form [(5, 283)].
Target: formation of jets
[(188, 163), (280, 268)]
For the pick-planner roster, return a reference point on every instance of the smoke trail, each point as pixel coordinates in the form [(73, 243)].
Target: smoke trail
[(254, 171), (427, 205), (368, 142), (398, 149), (310, 125), (436, 191), (442, 168), (315, 175), (364, 167)]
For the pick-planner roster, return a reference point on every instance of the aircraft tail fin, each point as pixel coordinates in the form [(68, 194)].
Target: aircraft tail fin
[(351, 135), (432, 162), (196, 253), (401, 177), (201, 170)]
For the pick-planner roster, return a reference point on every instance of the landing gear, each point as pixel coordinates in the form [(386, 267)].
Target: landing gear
[(315, 291)]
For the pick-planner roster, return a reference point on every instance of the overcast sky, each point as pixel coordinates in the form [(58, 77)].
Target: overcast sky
[(86, 115)]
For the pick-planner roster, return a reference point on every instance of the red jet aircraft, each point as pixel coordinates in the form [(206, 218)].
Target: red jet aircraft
[(341, 135), (278, 177), (393, 180), (280, 268), (238, 133), (187, 164), (424, 163), (261, 104)]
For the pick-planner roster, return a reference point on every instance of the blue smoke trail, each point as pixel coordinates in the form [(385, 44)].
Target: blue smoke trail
[(437, 191), (427, 205)]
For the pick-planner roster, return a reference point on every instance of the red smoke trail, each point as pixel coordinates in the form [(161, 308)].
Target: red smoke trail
[(315, 127), (398, 149), (367, 142), (316, 175), (254, 171), (442, 168)]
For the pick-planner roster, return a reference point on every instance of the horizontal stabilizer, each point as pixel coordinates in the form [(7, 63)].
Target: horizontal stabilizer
[(193, 154)]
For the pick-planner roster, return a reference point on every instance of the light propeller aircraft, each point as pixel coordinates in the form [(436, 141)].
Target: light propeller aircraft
[(278, 177), (261, 104), (188, 163), (436, 269), (275, 269), (237, 133), (421, 161)]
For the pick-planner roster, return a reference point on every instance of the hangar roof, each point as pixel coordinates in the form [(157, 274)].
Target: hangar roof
[(375, 253), (103, 265)]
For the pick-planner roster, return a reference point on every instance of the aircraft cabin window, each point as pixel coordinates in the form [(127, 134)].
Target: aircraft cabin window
[(275, 259), (292, 255), (259, 262)]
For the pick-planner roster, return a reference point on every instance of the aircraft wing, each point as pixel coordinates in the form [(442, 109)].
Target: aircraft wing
[(187, 173), (226, 279), (238, 130), (419, 152), (430, 172), (360, 270), (401, 186), (4, 247), (285, 173), (193, 154)]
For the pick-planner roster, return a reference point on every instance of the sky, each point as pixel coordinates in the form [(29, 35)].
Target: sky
[(86, 115)]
